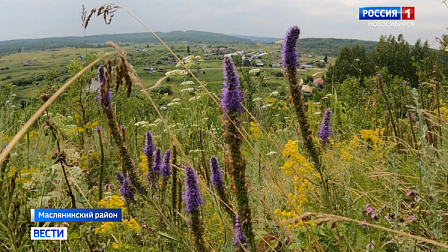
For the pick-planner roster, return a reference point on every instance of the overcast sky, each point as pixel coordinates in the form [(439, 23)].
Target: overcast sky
[(22, 19)]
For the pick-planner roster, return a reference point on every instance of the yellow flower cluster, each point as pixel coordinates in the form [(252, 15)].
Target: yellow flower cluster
[(89, 125), (88, 161), (142, 166), (302, 172), (255, 131), (26, 175), (120, 246), (276, 104), (443, 110), (352, 145), (32, 133), (127, 224), (131, 224), (216, 231), (345, 156), (4, 139), (373, 136), (115, 202)]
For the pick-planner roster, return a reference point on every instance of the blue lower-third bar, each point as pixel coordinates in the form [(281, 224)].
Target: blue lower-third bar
[(76, 215)]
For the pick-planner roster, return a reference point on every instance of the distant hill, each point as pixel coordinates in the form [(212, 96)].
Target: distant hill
[(258, 39), (330, 46), (13, 46), (315, 46), (318, 46)]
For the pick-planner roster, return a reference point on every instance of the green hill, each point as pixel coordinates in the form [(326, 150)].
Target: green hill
[(330, 46), (316, 46), (14, 46)]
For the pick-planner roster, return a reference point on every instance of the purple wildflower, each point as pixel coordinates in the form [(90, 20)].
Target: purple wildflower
[(157, 163), (368, 209), (411, 218), (125, 186), (148, 150), (289, 52), (165, 170), (390, 216), (122, 127), (231, 95), (324, 129), (98, 128), (101, 76), (108, 97), (216, 173), (238, 237), (101, 79), (378, 75), (192, 194), (412, 193), (405, 83)]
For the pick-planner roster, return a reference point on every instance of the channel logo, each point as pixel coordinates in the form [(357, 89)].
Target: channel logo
[(387, 13), (49, 233)]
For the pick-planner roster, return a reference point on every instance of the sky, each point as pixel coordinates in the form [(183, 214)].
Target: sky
[(24, 19)]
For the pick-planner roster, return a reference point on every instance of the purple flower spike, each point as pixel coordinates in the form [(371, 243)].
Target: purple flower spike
[(192, 194), (148, 150), (231, 94), (238, 237), (289, 52), (125, 186), (216, 173), (324, 129), (157, 163), (101, 77), (165, 171), (108, 96)]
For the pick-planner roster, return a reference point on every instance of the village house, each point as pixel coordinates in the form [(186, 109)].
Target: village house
[(318, 81)]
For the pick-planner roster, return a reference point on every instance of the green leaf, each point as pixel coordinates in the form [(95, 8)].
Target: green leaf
[(168, 236), (294, 246), (73, 235), (273, 243), (260, 232)]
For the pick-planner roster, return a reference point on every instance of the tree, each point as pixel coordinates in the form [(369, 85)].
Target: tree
[(326, 59), (188, 50)]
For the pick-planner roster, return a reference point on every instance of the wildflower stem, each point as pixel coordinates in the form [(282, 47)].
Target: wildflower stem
[(174, 187), (380, 86), (101, 167)]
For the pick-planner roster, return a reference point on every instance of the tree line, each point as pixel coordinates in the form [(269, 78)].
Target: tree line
[(412, 63)]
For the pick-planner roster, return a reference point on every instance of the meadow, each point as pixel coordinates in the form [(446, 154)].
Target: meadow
[(236, 159)]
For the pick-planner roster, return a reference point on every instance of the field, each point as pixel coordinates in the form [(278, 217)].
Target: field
[(224, 155), (41, 62)]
